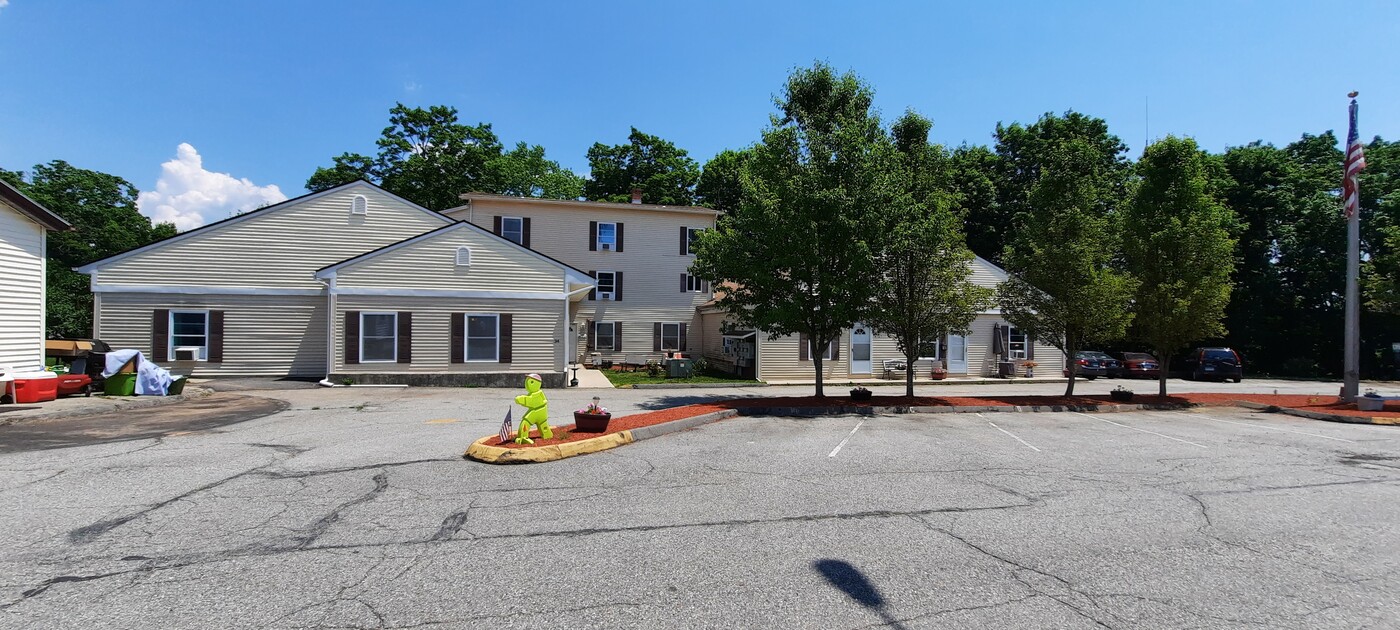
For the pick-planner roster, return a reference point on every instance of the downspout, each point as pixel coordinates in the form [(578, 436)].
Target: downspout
[(330, 330)]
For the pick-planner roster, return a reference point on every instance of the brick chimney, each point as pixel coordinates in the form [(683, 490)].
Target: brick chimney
[(636, 195)]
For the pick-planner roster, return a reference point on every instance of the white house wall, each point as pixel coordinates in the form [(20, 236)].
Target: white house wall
[(496, 265), (537, 334), (22, 251), (264, 335)]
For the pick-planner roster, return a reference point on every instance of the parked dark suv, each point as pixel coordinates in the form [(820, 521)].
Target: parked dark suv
[(1213, 363)]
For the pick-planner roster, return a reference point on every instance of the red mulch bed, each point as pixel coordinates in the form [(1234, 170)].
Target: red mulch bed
[(1323, 404), (566, 433)]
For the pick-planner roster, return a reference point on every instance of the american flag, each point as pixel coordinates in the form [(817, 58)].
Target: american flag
[(1356, 160), (505, 427)]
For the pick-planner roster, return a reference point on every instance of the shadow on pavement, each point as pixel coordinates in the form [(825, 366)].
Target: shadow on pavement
[(215, 410), (849, 580)]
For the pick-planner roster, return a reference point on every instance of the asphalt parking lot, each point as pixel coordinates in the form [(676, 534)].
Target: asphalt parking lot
[(354, 509)]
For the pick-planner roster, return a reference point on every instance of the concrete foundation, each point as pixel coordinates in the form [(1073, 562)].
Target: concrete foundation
[(551, 380)]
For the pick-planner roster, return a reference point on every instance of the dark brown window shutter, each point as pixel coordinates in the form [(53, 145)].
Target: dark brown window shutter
[(617, 336), (496, 225), (836, 349), (459, 338), (656, 337), (617, 286), (592, 236), (592, 329), (505, 348), (593, 293), (803, 348), (683, 347), (682, 283), (683, 240), (525, 231), (352, 337), (1030, 348), (619, 236), (405, 337), (160, 335), (216, 336)]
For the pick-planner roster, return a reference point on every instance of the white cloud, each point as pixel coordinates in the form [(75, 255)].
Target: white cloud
[(4, 3), (189, 196)]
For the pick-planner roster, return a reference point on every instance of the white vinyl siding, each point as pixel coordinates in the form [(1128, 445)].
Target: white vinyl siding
[(277, 248), (264, 335), (431, 263), (536, 324), (21, 291)]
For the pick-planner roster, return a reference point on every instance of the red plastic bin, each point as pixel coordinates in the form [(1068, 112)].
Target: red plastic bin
[(35, 388), (73, 384)]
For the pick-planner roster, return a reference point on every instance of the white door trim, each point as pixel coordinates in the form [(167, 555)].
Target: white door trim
[(860, 335)]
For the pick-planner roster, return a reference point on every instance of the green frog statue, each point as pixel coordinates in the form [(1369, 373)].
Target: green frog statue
[(537, 413)]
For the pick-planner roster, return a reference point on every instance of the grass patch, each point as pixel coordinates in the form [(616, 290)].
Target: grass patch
[(621, 379)]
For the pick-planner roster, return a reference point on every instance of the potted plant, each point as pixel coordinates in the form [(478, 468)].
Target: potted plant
[(1121, 394), (1030, 368), (593, 418), (860, 393), (939, 373)]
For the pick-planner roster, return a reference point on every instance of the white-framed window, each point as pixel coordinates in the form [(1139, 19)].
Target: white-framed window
[(694, 284), (604, 336), (671, 337), (1016, 343), (607, 237), (692, 235), (189, 329), (606, 282), (379, 337), (830, 353), (359, 205), (513, 228), (483, 337), (464, 256)]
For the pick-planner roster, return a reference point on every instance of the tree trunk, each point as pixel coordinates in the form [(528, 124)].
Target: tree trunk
[(817, 365), (909, 371), (1073, 367), (1162, 366)]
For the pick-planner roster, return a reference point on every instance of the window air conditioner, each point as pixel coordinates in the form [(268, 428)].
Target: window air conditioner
[(187, 354), (607, 247), (605, 295)]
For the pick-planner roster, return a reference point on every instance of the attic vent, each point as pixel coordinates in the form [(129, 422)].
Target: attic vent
[(358, 204), (464, 256)]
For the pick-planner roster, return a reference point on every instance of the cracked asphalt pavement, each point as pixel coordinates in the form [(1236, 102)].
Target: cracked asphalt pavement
[(354, 509)]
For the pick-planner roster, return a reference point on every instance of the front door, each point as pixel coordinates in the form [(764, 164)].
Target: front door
[(957, 354), (860, 349)]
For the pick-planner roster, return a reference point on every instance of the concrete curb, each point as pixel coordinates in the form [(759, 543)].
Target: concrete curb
[(811, 412), (109, 406), (690, 385), (1318, 415), (485, 453)]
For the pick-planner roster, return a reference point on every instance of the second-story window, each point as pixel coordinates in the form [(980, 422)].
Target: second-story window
[(607, 285), (691, 236), (513, 228), (607, 237)]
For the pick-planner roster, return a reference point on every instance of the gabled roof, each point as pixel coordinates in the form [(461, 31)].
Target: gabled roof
[(94, 266), (571, 273), (608, 205), (30, 208)]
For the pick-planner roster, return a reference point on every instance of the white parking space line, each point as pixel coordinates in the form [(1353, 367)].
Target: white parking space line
[(1142, 430), (1013, 435), (1264, 426), (836, 450)]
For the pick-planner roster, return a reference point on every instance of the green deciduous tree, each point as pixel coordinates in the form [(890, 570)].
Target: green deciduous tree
[(102, 210), (719, 187), (923, 291), (1062, 288), (666, 174), (430, 158), (799, 250), (1177, 245)]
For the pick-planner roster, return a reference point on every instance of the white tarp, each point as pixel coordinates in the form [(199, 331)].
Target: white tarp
[(151, 379)]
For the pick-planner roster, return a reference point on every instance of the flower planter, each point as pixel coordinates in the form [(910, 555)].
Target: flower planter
[(861, 394), (1370, 403), (1121, 396), (591, 422), (938, 376)]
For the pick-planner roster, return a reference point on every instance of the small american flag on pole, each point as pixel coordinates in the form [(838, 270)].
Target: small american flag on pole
[(1356, 160), (505, 427)]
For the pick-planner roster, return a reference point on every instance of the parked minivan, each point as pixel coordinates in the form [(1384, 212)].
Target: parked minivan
[(1213, 363)]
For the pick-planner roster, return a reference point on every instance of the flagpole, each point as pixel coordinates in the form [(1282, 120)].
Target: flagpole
[(1351, 372)]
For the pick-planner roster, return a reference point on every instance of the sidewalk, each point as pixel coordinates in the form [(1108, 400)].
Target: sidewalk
[(70, 406)]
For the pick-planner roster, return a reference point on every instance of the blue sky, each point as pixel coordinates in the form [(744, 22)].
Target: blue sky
[(263, 92)]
